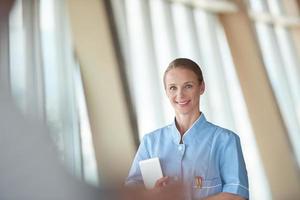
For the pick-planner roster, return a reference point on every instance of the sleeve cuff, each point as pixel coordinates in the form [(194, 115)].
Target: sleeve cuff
[(237, 189)]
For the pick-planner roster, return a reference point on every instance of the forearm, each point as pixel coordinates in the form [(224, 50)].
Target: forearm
[(224, 196)]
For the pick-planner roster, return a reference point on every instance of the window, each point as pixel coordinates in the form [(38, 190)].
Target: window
[(281, 62), (46, 81), (157, 31)]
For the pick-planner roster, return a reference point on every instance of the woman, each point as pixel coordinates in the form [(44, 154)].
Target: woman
[(206, 157)]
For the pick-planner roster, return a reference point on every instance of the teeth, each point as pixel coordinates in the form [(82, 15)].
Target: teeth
[(183, 103)]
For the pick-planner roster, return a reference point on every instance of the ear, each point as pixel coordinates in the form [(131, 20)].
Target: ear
[(202, 87)]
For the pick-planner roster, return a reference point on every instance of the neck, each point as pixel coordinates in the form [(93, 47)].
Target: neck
[(184, 122)]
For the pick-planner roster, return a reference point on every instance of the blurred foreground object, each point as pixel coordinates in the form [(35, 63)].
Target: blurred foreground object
[(30, 169), (29, 166)]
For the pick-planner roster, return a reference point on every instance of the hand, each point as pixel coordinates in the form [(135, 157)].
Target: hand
[(162, 182), (171, 191), (168, 191)]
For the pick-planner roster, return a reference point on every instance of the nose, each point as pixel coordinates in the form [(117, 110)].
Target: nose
[(180, 93)]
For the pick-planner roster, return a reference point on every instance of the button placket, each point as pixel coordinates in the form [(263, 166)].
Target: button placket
[(181, 149)]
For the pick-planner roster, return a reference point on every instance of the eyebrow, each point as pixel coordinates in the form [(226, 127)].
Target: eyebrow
[(171, 84), (188, 82)]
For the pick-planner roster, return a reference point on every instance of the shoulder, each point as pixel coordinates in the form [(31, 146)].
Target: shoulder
[(222, 134), (158, 133)]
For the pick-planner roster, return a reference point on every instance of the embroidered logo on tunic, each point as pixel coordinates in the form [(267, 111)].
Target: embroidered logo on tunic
[(198, 182)]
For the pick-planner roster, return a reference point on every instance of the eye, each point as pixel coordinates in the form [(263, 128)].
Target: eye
[(172, 88), (188, 86)]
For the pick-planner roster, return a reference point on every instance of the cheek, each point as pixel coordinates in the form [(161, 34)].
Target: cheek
[(196, 96), (171, 98)]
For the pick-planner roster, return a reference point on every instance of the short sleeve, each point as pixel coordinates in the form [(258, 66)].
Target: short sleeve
[(233, 169), (135, 176)]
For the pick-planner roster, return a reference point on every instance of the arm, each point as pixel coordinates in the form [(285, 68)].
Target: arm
[(135, 176), (233, 169)]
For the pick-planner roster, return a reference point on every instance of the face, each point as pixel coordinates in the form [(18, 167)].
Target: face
[(183, 90)]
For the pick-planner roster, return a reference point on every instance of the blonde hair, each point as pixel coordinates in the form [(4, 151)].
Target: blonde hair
[(185, 63)]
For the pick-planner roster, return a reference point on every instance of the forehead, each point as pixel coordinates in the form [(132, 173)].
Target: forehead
[(179, 75)]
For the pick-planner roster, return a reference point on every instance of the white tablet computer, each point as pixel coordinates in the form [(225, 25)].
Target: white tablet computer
[(151, 171)]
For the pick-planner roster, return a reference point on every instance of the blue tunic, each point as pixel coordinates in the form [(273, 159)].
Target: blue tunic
[(208, 151)]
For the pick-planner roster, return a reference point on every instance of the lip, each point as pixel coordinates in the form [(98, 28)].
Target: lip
[(183, 103)]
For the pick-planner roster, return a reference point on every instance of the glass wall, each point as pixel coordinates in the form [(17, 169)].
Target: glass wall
[(152, 34), (281, 62), (46, 80)]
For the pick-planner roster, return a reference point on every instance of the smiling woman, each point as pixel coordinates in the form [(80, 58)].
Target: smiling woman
[(184, 84), (206, 157)]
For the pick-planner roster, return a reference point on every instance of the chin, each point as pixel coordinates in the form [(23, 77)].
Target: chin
[(183, 112)]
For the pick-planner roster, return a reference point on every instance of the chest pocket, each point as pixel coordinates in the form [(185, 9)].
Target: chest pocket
[(209, 187)]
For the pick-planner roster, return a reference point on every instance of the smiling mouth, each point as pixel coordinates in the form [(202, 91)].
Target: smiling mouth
[(183, 103)]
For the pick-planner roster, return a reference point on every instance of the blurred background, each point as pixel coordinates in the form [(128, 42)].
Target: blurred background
[(92, 71)]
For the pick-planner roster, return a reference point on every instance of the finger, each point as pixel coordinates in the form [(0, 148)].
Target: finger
[(162, 181), (174, 191)]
